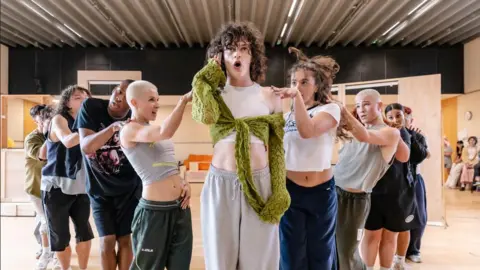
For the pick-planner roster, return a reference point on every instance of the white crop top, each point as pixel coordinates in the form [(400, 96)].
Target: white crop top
[(313, 154), (244, 102)]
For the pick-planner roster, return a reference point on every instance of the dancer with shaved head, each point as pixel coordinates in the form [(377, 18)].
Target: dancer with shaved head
[(162, 225), (361, 164)]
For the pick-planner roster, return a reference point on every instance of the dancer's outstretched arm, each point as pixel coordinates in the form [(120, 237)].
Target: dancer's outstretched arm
[(135, 132)]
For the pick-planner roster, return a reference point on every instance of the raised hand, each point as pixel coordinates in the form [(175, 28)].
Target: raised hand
[(285, 92)]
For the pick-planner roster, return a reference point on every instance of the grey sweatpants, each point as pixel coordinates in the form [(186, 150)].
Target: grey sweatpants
[(234, 237), (353, 209)]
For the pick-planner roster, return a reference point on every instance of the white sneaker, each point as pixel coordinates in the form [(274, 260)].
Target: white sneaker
[(415, 258), (56, 264), (43, 261), (400, 266)]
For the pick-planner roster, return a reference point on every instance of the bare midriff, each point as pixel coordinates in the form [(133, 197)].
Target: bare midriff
[(168, 189), (310, 179), (224, 156)]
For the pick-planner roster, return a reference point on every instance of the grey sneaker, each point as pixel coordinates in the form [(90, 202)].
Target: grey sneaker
[(44, 261), (415, 258)]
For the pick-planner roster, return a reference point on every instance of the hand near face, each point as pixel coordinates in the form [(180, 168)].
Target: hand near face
[(285, 92)]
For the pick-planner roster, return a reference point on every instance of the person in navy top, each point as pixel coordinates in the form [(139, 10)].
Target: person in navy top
[(113, 185)]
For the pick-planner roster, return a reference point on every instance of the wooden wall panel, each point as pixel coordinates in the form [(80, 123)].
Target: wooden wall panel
[(28, 123), (449, 123), (471, 64), (423, 95)]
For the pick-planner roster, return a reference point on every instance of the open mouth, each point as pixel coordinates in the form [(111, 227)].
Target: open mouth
[(237, 64)]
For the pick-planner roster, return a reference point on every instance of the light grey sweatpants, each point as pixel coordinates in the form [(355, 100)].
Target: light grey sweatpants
[(234, 237)]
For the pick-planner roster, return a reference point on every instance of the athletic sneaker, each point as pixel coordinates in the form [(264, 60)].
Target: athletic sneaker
[(39, 253), (415, 258), (44, 260), (56, 264), (400, 266)]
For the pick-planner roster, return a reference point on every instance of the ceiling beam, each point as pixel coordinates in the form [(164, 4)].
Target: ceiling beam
[(437, 11), (25, 30), (66, 16), (97, 6), (13, 38), (151, 24), (177, 19), (266, 22), (161, 19), (194, 19), (355, 14), (57, 23), (458, 29), (7, 42), (318, 8), (282, 18), (475, 26), (381, 25), (442, 20), (323, 22), (208, 18), (25, 14), (365, 24), (8, 29), (293, 22)]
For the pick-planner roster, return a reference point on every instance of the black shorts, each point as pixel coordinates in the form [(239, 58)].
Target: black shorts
[(394, 212), (59, 207), (113, 215)]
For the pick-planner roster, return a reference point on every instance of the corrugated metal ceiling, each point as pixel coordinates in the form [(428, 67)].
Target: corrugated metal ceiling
[(173, 23)]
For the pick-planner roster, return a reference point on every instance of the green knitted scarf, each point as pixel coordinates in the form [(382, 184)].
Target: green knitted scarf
[(209, 108)]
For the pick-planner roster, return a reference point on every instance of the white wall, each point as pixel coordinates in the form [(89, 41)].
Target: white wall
[(15, 120)]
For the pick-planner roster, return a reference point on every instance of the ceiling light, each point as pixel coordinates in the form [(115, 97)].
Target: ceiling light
[(72, 30), (44, 9), (32, 9), (390, 29), (292, 7), (417, 7), (283, 30)]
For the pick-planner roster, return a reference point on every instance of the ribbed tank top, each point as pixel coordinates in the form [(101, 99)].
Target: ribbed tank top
[(244, 102), (152, 161), (360, 165)]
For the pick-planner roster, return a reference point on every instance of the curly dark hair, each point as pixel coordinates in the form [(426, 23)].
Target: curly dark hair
[(47, 113), (324, 69), (37, 110), (232, 33), (62, 107)]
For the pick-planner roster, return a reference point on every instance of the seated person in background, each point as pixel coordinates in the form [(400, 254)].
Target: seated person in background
[(447, 155), (457, 166), (470, 159)]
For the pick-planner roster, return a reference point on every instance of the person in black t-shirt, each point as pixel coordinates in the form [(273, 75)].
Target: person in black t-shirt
[(113, 185)]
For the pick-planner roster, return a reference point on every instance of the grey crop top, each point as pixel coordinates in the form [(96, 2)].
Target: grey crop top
[(360, 165), (153, 161)]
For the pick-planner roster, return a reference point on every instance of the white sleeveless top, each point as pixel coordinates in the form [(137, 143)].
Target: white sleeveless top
[(313, 154), (244, 102)]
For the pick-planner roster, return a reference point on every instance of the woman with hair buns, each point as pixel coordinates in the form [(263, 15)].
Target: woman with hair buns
[(307, 230)]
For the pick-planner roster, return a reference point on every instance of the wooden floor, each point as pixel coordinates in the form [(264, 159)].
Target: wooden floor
[(454, 248)]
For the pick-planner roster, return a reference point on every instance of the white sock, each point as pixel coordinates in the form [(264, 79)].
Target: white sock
[(369, 267), (400, 259), (45, 250), (384, 268)]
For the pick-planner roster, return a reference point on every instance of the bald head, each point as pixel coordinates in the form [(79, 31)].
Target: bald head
[(139, 89), (371, 93)]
